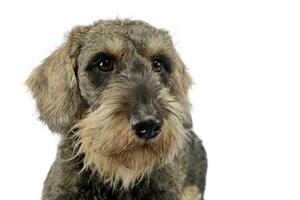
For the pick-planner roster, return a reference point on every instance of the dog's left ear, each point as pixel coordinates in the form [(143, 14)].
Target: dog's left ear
[(181, 83), (185, 79), (54, 85)]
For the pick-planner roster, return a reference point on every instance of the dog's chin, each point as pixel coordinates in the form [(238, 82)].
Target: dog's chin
[(127, 166), (130, 166)]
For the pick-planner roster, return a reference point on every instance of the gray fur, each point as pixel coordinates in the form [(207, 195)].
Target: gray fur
[(71, 94)]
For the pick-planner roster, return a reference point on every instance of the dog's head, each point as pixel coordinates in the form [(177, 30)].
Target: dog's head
[(123, 87)]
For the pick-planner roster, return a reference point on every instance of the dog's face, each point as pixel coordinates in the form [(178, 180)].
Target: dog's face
[(123, 88)]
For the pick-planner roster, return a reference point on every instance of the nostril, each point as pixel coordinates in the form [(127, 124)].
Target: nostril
[(140, 128), (157, 129)]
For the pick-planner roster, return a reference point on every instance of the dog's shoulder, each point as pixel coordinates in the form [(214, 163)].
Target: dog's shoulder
[(197, 162)]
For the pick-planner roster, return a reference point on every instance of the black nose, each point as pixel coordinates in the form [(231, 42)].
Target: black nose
[(147, 126)]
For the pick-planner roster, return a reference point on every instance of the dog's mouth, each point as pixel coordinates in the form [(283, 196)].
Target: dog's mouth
[(150, 144), (116, 150)]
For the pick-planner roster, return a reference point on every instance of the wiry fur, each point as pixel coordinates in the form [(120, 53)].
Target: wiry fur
[(111, 146), (92, 111)]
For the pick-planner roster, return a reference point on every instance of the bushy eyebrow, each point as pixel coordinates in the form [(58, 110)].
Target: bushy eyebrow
[(157, 45), (114, 47)]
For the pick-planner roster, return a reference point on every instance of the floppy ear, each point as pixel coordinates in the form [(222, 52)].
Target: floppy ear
[(186, 80), (181, 83), (53, 84)]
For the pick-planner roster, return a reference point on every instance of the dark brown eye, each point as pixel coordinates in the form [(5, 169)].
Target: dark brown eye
[(105, 63), (158, 65)]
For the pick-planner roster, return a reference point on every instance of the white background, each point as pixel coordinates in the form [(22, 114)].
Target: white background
[(244, 57)]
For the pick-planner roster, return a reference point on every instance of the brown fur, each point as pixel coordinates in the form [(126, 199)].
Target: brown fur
[(117, 152), (91, 108), (54, 86)]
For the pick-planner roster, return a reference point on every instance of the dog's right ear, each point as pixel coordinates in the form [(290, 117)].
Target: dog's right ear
[(54, 86)]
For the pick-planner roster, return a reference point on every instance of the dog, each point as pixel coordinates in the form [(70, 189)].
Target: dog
[(117, 92)]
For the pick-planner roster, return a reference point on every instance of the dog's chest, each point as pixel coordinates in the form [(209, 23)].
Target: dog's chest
[(99, 191)]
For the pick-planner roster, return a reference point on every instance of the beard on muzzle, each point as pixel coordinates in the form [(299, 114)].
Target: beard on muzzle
[(127, 135)]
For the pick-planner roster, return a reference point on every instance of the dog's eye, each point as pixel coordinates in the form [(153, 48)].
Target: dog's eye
[(158, 65), (104, 63)]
